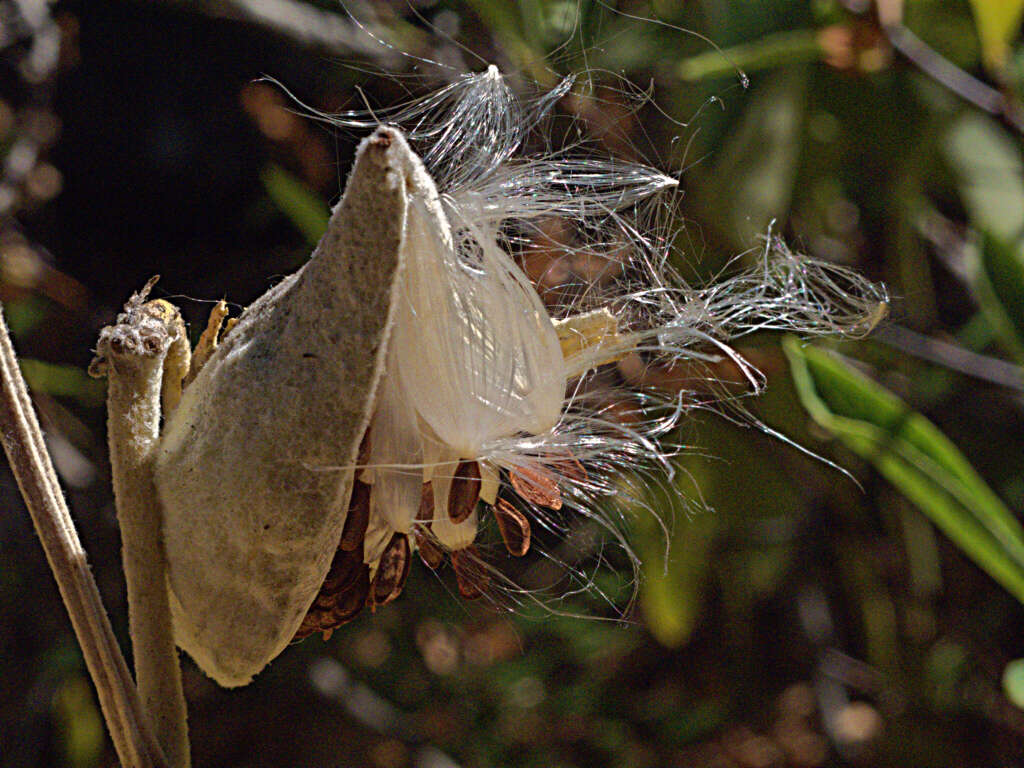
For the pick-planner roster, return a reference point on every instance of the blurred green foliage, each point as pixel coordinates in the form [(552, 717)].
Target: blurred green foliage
[(915, 457), (998, 24)]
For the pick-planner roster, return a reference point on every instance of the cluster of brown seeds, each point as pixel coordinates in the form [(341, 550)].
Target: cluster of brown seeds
[(462, 498), (348, 587)]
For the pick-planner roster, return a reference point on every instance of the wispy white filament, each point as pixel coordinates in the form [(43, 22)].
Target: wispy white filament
[(499, 243)]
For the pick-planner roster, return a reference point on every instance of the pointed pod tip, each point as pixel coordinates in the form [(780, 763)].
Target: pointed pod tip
[(382, 137)]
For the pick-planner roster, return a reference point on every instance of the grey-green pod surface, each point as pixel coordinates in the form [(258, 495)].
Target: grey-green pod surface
[(254, 469)]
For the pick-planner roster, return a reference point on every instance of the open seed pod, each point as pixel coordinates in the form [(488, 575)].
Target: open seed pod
[(416, 331), (254, 470)]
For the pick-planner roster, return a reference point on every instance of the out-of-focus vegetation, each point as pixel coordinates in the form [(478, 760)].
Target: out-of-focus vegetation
[(805, 617)]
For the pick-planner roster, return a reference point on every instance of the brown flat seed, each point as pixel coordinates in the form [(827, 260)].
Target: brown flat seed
[(309, 625), (352, 601), (426, 512), (431, 554), (470, 574), (340, 601), (514, 527), (465, 491), (358, 517), (536, 485), (567, 465), (343, 573), (392, 571)]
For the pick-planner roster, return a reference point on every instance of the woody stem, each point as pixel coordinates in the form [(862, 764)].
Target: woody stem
[(135, 353), (23, 443)]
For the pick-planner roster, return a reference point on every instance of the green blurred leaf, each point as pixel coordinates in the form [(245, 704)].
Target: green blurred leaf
[(1013, 682), (997, 273), (771, 51), (23, 315), (306, 211), (672, 592), (715, 514), (945, 666), (686, 725), (673, 547), (998, 22), (752, 182), (62, 381), (79, 723), (517, 26), (990, 174), (598, 641), (915, 457)]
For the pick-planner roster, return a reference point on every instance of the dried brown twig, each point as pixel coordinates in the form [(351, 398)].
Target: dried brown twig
[(23, 443)]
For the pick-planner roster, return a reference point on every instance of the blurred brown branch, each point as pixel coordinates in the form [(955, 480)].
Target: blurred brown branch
[(312, 27)]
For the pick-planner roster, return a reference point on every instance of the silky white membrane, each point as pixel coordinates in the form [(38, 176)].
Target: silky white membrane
[(473, 357), (493, 366)]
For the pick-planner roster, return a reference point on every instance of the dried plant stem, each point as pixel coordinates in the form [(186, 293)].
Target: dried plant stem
[(134, 353), (23, 443), (948, 74)]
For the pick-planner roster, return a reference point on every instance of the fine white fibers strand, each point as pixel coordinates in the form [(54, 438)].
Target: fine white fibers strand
[(469, 128), (498, 245), (789, 292), (395, 496), (563, 186)]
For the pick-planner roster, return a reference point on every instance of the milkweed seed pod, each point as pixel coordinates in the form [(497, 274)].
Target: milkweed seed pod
[(470, 347), (251, 517)]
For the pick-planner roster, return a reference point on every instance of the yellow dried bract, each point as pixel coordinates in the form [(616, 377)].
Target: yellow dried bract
[(590, 339), (208, 340)]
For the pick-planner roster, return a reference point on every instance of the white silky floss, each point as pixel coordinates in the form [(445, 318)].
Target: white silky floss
[(473, 357)]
